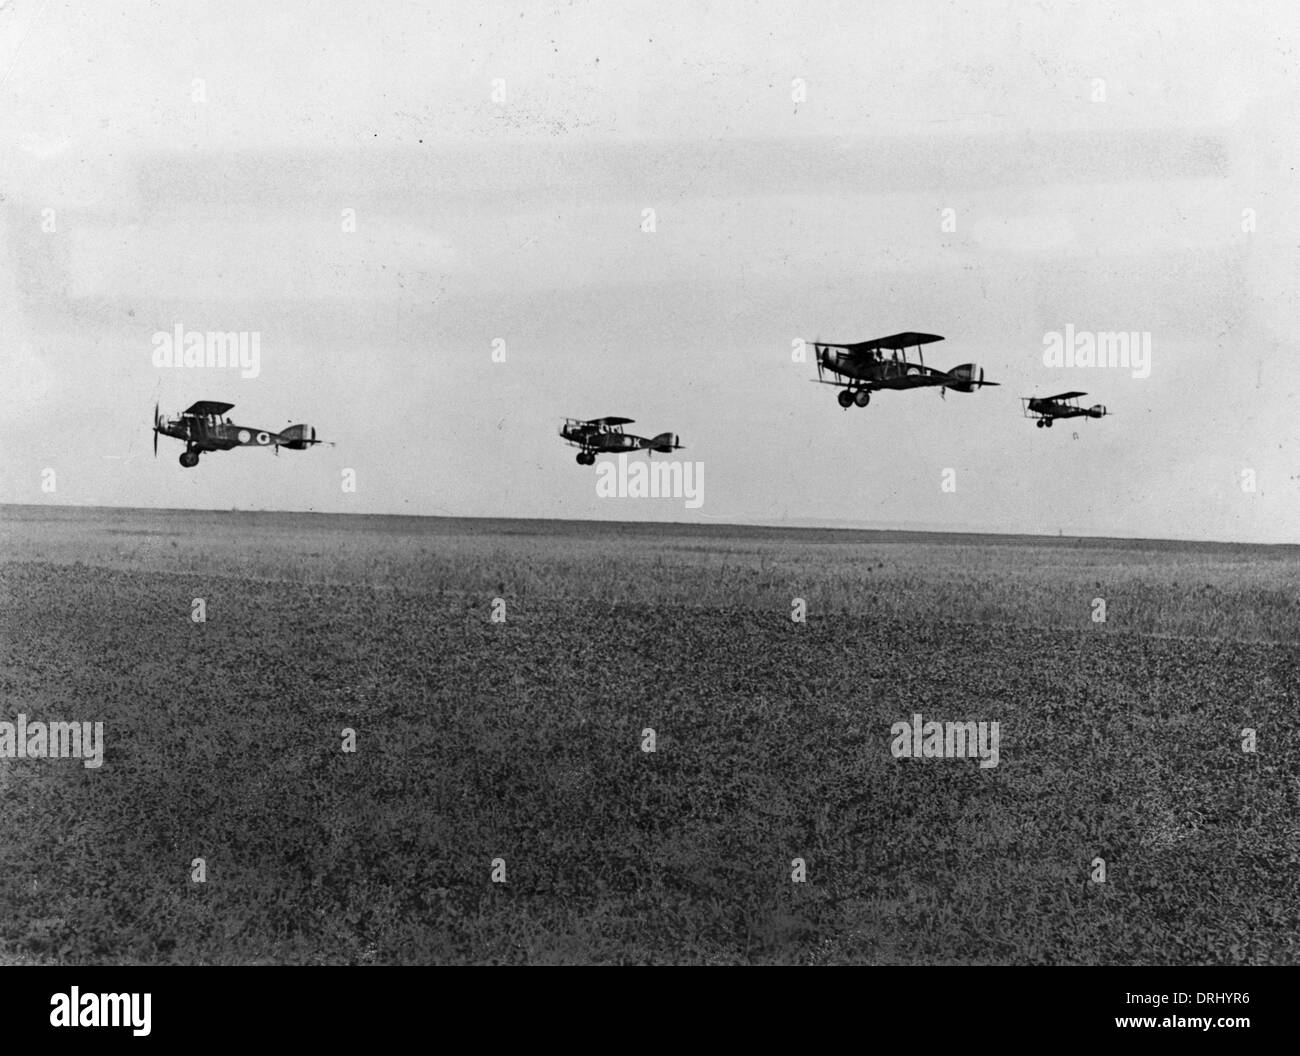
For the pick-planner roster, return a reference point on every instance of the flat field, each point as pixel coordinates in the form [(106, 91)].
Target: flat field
[(521, 741)]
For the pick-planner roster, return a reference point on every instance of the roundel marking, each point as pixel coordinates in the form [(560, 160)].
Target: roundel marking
[(263, 438), (244, 436)]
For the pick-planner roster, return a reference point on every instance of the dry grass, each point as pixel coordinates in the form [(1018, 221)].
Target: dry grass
[(522, 740)]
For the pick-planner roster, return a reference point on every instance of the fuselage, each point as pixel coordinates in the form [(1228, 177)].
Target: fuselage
[(873, 366), (209, 432), (1050, 409), (596, 438)]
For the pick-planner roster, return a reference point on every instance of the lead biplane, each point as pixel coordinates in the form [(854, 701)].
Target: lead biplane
[(1046, 409), (868, 368), (203, 429), (599, 436)]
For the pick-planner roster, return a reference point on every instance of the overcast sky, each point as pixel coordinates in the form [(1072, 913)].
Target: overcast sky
[(1127, 167)]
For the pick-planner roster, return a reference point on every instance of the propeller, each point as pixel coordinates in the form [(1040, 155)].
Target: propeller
[(155, 429)]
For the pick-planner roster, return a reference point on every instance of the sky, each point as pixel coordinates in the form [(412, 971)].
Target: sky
[(434, 219)]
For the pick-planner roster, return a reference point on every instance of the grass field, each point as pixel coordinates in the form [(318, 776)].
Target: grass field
[(522, 741)]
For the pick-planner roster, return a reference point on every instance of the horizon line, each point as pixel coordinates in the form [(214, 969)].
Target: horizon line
[(786, 526)]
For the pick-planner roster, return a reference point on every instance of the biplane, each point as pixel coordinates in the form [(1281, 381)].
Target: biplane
[(1046, 409), (203, 428), (600, 436), (882, 363)]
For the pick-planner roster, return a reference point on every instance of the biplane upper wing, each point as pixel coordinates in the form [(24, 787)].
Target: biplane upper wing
[(898, 342), (611, 421), (894, 342), (1062, 396), (204, 407)]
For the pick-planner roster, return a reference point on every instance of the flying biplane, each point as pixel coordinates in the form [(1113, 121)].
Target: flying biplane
[(203, 429), (1046, 409), (868, 368), (601, 436)]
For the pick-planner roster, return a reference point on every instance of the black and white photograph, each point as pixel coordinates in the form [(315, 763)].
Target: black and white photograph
[(651, 483)]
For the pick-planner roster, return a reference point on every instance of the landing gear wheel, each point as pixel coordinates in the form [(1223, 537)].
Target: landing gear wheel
[(862, 398), (1048, 423), (586, 458), (1039, 423), (189, 459), (845, 398)]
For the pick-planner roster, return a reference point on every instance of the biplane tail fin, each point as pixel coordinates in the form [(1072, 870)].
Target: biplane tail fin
[(299, 437), (665, 442), (967, 378)]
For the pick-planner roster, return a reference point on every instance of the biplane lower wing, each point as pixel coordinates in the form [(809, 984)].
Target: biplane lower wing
[(903, 381), (914, 377)]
